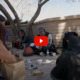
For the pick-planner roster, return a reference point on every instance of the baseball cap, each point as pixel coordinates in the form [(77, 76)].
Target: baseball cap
[(41, 29)]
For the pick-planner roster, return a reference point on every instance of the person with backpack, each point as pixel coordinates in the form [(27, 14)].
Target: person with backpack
[(68, 63)]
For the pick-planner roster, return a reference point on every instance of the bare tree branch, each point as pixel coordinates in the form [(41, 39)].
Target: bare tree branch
[(39, 2), (15, 14), (42, 2), (3, 10), (19, 3), (34, 18), (36, 14)]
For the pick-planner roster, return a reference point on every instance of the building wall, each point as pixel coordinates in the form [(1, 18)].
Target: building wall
[(57, 27)]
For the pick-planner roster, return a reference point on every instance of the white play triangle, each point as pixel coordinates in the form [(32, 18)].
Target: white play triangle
[(41, 40)]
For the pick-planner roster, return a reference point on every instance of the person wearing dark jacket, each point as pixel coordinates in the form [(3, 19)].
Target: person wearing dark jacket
[(65, 40), (24, 39), (68, 64)]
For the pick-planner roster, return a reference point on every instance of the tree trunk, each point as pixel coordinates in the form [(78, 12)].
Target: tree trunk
[(31, 22), (33, 19), (10, 19), (14, 12)]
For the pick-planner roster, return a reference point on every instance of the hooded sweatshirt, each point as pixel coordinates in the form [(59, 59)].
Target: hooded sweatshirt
[(26, 39), (68, 64)]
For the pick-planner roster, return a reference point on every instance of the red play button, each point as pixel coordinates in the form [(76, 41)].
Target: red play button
[(41, 41)]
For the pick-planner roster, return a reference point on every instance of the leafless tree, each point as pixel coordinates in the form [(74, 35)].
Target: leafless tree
[(40, 4), (30, 23), (14, 12), (3, 10)]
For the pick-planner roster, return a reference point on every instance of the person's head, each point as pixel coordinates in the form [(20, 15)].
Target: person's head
[(74, 33), (2, 19), (74, 43), (2, 32), (69, 34), (21, 33), (42, 31)]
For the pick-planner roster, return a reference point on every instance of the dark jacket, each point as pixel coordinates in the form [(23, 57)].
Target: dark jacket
[(26, 40), (68, 64)]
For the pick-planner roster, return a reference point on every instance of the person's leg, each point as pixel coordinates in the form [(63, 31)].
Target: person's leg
[(52, 48), (44, 49)]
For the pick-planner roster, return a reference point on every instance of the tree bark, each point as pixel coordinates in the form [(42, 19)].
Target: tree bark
[(30, 23), (14, 12), (40, 4), (10, 19)]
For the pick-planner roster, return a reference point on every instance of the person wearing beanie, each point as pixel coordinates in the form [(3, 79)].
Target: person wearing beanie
[(24, 38)]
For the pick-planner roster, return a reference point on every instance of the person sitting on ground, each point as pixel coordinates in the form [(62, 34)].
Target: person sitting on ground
[(5, 55), (65, 40), (25, 40), (50, 45), (68, 63)]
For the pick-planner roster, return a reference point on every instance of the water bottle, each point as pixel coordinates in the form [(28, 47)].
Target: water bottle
[(47, 52), (17, 53), (29, 64)]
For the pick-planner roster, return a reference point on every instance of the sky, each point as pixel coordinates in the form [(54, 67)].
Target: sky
[(53, 8)]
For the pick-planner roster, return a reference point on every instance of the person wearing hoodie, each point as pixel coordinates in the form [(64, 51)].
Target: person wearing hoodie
[(24, 39), (65, 40), (68, 64)]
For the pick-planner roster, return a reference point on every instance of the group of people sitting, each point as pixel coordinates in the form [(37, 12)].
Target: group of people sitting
[(26, 42), (68, 63)]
